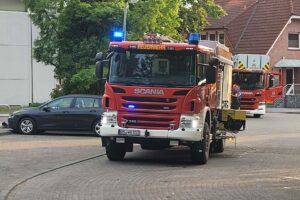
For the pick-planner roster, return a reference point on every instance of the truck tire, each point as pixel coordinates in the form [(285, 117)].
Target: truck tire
[(218, 146), (200, 150), (114, 151), (256, 116)]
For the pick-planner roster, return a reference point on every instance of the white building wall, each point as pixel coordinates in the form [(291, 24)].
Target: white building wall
[(17, 73), (43, 77)]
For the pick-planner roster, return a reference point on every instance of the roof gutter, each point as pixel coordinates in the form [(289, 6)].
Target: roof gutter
[(288, 22)]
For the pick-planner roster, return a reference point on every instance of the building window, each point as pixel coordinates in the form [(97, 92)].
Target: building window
[(203, 37), (221, 38), (212, 37), (293, 40)]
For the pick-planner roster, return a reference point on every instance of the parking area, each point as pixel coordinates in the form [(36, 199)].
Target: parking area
[(264, 165)]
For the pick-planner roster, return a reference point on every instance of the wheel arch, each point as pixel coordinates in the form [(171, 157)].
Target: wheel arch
[(93, 122), (27, 116), (207, 116)]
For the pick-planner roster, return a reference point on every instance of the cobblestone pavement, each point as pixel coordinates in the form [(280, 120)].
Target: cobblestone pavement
[(265, 165)]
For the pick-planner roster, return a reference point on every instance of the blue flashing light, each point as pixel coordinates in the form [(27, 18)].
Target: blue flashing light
[(118, 36), (130, 106), (194, 38)]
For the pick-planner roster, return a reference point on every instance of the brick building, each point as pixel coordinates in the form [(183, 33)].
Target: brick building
[(269, 27)]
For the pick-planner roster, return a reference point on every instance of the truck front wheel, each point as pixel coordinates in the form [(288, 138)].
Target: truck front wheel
[(200, 150), (114, 151)]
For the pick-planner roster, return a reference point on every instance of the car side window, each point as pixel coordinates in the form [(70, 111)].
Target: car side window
[(85, 102), (61, 103)]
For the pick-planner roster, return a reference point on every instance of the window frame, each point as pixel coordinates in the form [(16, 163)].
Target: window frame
[(215, 37), (94, 100), (223, 38), (294, 48), (60, 99)]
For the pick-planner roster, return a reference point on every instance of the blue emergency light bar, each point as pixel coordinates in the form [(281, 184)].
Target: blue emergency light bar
[(194, 38), (131, 106), (118, 36)]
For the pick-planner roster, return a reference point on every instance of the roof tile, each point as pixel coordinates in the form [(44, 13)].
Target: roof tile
[(253, 25)]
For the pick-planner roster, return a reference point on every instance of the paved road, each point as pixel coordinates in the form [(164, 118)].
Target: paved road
[(265, 165)]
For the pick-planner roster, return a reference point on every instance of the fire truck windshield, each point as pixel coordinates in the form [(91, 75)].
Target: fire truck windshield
[(153, 68), (249, 80)]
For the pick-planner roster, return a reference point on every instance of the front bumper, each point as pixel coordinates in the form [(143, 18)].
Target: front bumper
[(12, 122), (260, 111), (178, 134)]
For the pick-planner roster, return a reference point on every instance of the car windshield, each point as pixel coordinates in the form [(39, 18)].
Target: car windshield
[(250, 80), (152, 68)]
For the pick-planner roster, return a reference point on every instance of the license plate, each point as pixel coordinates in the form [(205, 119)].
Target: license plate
[(129, 132)]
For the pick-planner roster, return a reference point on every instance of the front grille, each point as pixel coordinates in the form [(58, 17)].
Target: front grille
[(150, 99), (249, 103), (151, 107), (248, 99), (150, 121), (152, 104)]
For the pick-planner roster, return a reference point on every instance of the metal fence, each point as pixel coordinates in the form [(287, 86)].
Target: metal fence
[(292, 89)]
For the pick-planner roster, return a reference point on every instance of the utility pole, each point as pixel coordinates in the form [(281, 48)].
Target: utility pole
[(126, 5)]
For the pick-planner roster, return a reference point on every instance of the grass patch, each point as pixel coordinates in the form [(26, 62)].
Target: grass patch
[(7, 110)]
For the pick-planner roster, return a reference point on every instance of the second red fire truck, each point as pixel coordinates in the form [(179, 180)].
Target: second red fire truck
[(160, 94), (258, 85)]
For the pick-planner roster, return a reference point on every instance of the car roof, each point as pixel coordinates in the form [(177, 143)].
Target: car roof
[(82, 95)]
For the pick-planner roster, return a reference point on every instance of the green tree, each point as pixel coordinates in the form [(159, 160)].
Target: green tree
[(194, 13), (72, 31)]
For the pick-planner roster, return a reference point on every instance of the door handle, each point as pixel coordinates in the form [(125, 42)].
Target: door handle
[(93, 111)]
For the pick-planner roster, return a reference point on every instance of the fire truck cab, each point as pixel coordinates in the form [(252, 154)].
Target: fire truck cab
[(159, 94), (258, 85)]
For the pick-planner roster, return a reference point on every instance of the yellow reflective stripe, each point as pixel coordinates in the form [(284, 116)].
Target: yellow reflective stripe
[(267, 66), (241, 65)]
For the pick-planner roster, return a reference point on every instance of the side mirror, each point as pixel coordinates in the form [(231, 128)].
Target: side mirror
[(99, 70), (46, 109), (99, 56)]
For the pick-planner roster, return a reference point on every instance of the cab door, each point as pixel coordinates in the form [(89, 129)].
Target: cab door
[(275, 89)]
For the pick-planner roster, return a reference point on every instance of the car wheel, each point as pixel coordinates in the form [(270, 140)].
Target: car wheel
[(257, 116), (27, 126), (200, 150), (96, 127)]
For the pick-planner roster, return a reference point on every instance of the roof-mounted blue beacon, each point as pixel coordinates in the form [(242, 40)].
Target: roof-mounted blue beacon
[(194, 38), (118, 36)]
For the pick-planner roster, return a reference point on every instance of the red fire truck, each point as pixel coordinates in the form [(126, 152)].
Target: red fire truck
[(258, 85), (160, 94)]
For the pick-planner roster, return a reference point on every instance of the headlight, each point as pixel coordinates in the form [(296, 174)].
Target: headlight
[(109, 118), (190, 122)]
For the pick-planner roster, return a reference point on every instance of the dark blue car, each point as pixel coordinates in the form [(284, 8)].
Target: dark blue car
[(72, 112)]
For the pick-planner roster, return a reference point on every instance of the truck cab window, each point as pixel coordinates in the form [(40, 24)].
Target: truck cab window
[(201, 64)]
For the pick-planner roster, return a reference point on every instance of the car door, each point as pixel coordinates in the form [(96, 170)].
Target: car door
[(57, 114), (86, 110)]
